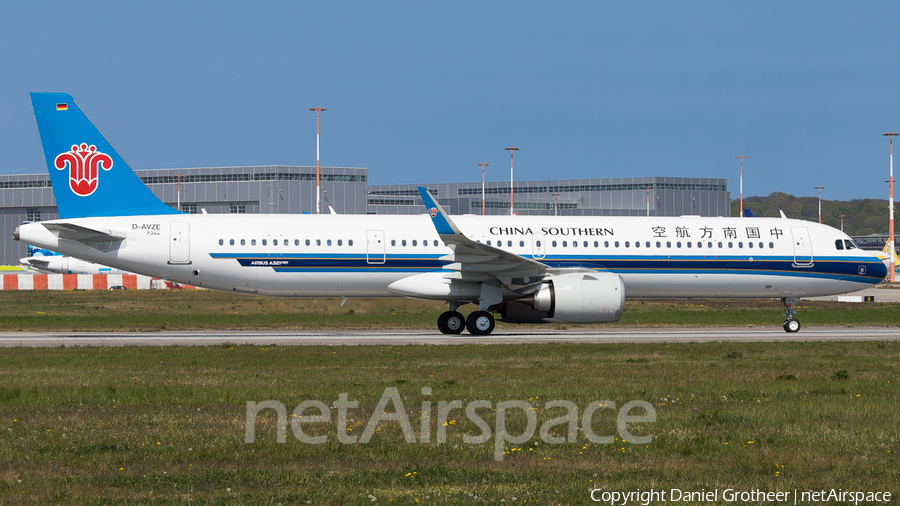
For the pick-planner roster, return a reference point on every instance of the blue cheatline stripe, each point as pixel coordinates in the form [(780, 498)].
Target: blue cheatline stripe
[(835, 268)]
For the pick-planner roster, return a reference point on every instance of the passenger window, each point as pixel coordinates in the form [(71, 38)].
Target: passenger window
[(554, 244), (596, 244), (231, 242), (489, 242), (538, 244), (678, 244), (565, 243), (730, 244), (349, 242), (668, 244), (574, 244), (318, 242), (605, 244), (340, 242), (689, 244), (658, 244), (415, 243), (403, 242), (243, 242), (435, 243), (307, 242), (584, 244), (749, 244), (274, 242), (627, 244), (264, 242), (740, 244), (328, 242), (761, 245), (616, 244), (509, 244), (709, 245), (393, 242), (771, 245), (425, 242), (222, 242), (637, 244), (296, 242), (720, 245), (253, 242), (521, 244), (647, 244)]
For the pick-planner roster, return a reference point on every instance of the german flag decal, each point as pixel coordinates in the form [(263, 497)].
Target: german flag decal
[(62, 107)]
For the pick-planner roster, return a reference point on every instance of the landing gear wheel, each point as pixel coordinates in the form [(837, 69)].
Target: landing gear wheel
[(480, 323), (791, 325), (451, 322)]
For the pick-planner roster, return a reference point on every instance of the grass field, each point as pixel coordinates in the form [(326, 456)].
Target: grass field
[(167, 425), (145, 425), (165, 309)]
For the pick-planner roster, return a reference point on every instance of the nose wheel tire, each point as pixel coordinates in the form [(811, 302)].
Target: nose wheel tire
[(480, 323), (451, 322), (791, 325)]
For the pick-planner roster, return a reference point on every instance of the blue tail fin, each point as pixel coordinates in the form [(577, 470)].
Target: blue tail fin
[(89, 177)]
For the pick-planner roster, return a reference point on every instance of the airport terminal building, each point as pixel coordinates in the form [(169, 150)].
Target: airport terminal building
[(286, 189)]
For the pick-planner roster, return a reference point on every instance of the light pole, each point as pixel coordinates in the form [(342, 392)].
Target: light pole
[(820, 188), (555, 204), (742, 183), (648, 201), (511, 178), (891, 267), (318, 194), (482, 165), (842, 223)]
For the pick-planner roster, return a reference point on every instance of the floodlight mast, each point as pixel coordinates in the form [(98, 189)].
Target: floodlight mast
[(511, 178), (742, 183), (482, 165), (318, 193), (891, 275), (820, 188)]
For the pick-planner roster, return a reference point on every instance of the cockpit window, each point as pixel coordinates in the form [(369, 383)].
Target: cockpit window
[(839, 244), (849, 244)]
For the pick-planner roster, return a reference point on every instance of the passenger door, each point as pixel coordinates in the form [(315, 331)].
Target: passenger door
[(803, 253), (375, 246)]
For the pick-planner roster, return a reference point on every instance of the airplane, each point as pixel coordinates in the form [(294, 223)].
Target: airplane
[(46, 261), (885, 256), (526, 268)]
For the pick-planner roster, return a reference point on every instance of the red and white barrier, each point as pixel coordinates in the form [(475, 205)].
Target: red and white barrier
[(84, 282)]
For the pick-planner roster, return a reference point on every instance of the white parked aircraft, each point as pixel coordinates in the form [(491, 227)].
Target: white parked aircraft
[(46, 261), (527, 268)]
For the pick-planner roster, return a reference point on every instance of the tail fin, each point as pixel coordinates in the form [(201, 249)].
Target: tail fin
[(89, 177)]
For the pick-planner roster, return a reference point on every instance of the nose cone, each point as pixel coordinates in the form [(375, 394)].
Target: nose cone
[(877, 268)]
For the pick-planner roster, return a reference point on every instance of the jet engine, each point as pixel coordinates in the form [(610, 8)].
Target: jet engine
[(583, 297)]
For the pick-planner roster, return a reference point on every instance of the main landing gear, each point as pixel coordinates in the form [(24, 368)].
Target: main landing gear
[(790, 324), (479, 323)]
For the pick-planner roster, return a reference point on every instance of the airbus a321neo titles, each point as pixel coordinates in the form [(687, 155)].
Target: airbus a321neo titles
[(526, 268)]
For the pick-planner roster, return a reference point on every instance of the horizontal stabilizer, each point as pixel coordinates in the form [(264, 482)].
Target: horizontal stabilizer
[(83, 234)]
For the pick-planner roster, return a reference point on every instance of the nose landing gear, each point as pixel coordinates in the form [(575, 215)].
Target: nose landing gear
[(787, 305)]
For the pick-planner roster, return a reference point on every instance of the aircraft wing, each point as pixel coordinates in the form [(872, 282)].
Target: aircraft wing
[(474, 261)]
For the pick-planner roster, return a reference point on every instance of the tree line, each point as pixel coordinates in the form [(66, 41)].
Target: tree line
[(861, 216)]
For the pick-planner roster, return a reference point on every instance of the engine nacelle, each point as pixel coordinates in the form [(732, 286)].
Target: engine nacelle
[(596, 297)]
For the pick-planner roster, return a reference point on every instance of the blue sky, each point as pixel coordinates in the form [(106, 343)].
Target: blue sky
[(423, 91)]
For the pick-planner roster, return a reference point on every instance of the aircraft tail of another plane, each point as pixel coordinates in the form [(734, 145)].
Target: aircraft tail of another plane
[(89, 177)]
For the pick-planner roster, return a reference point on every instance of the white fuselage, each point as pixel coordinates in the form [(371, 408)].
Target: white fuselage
[(360, 255)]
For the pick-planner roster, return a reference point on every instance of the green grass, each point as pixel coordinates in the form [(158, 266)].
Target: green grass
[(161, 309), (165, 425)]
